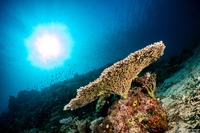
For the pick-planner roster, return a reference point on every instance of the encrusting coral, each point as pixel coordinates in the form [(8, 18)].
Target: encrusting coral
[(117, 78), (139, 113)]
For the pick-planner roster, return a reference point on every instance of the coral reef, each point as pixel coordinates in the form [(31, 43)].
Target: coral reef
[(140, 112), (34, 111), (180, 95), (148, 81), (178, 87), (185, 113), (43, 109), (74, 125), (165, 68), (95, 123), (185, 78), (117, 78)]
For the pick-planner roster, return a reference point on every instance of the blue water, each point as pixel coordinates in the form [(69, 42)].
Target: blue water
[(103, 32)]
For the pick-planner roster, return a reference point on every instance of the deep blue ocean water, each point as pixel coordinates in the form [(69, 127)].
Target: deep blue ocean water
[(103, 31)]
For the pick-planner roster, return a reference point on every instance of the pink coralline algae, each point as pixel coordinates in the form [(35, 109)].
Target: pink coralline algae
[(139, 113)]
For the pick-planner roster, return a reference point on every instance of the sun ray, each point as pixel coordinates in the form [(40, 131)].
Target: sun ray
[(49, 45)]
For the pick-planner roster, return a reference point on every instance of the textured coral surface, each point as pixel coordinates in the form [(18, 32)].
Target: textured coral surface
[(139, 113), (181, 94), (117, 78)]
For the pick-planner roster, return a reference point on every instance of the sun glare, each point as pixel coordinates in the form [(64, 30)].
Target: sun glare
[(49, 45)]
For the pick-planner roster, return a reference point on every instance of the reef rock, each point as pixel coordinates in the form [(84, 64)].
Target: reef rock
[(117, 78), (181, 94), (139, 113)]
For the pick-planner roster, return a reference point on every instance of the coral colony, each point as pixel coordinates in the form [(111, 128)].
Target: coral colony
[(138, 111)]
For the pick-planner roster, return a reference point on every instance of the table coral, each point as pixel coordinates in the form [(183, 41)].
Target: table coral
[(117, 78)]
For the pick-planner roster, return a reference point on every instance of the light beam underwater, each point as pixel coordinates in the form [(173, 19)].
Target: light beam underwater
[(49, 45)]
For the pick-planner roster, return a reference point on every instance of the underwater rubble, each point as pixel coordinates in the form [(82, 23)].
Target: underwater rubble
[(167, 101), (181, 95)]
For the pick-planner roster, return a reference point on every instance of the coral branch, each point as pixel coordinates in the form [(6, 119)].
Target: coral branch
[(117, 78), (148, 81)]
